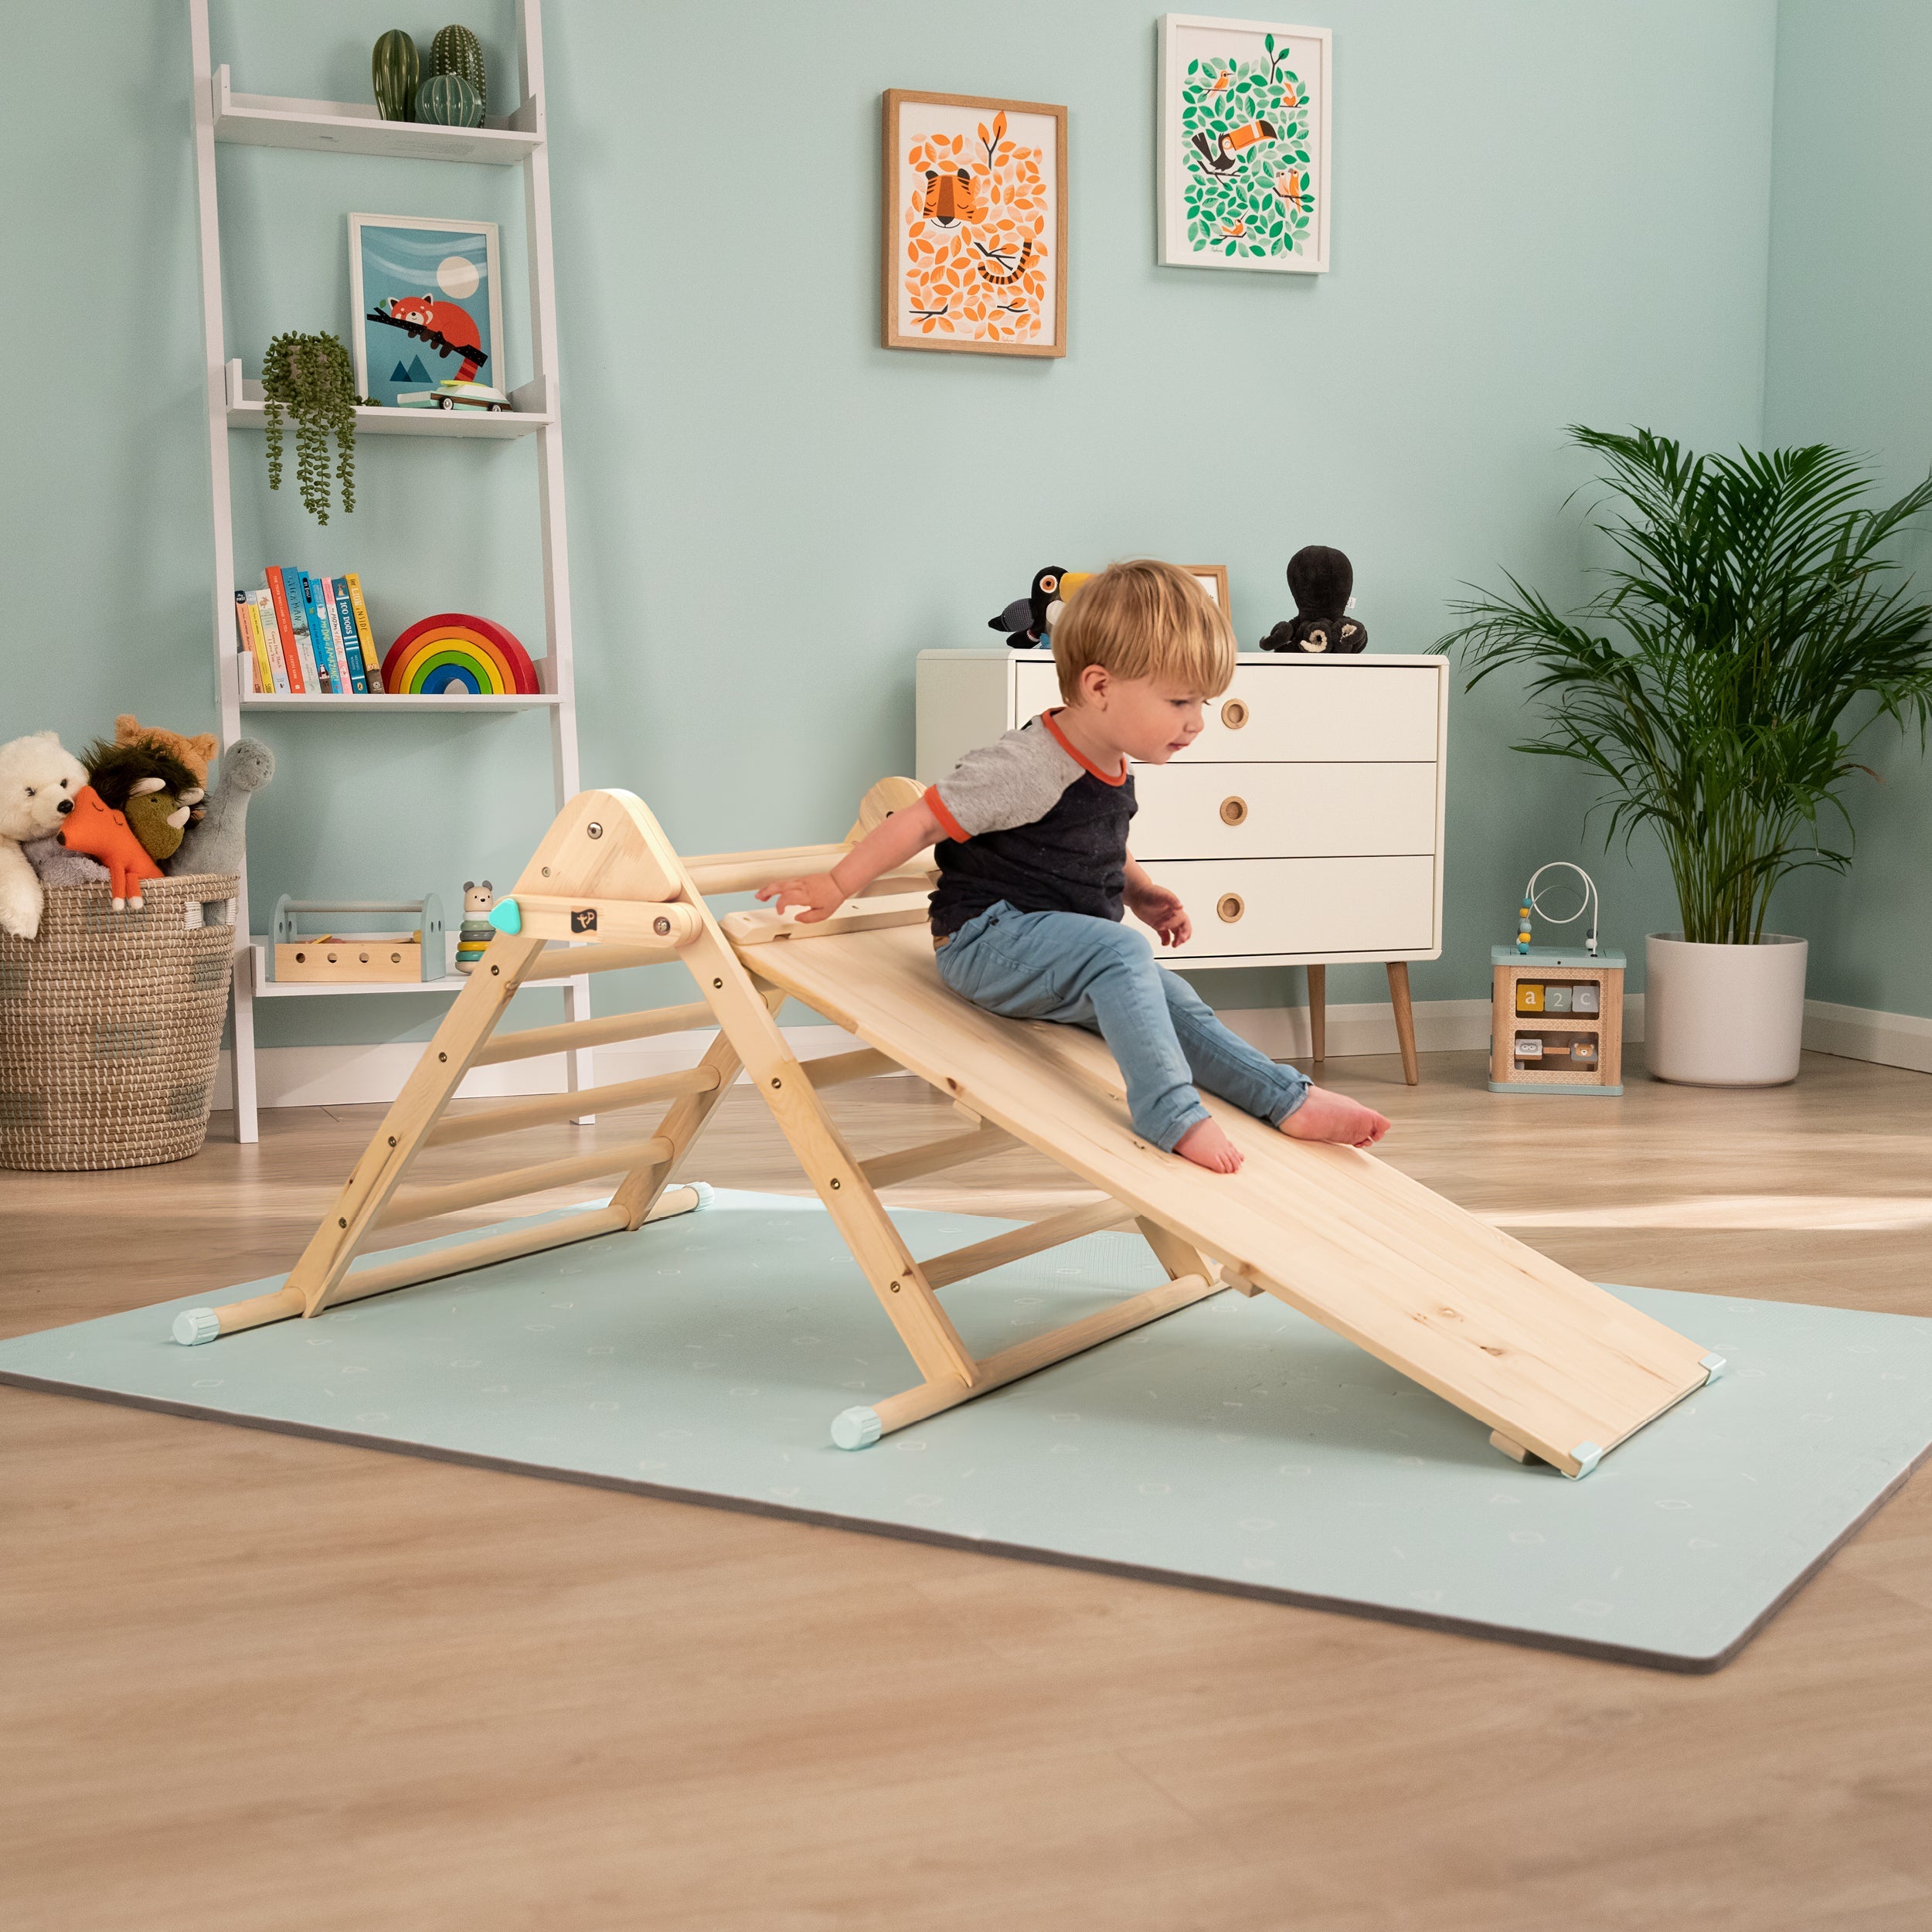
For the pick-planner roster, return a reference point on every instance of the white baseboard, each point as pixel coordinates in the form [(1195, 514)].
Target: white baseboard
[(1863, 1033), (365, 1075)]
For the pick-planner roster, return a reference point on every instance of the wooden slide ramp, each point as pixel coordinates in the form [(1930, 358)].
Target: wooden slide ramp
[(1549, 1361), (1557, 1369)]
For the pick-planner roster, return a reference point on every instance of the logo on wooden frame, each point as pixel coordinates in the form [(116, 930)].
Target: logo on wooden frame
[(976, 224)]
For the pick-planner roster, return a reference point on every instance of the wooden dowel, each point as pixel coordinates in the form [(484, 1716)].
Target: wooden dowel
[(567, 961), (515, 1115), (744, 872), (886, 1170), (1017, 1243), (424, 1203), (834, 1069), (573, 1034), (380, 1277), (915, 1405)]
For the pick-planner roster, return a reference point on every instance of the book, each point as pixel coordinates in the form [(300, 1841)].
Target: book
[(248, 615), (312, 659), (372, 657), (344, 615), (251, 675), (275, 673), (321, 628), (285, 629)]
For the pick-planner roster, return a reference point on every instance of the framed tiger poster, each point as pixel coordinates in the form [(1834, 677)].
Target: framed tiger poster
[(975, 226), (1245, 176)]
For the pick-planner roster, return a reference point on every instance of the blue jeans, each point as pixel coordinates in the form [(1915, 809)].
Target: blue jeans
[(1101, 974)]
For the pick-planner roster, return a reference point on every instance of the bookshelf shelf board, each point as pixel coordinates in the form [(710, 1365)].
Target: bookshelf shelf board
[(354, 128), (397, 422), (398, 701)]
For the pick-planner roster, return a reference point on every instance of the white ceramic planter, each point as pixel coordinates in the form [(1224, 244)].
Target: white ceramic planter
[(1723, 1015)]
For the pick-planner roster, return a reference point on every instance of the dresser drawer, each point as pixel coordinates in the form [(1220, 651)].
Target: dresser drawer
[(1190, 810), (1376, 908), (1299, 709)]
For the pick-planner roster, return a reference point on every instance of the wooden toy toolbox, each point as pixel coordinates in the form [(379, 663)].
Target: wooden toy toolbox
[(352, 958)]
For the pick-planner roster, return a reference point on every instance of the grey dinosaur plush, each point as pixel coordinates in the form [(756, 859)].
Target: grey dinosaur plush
[(55, 865), (217, 842)]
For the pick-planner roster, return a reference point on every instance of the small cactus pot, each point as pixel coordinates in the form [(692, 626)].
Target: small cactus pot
[(396, 69), (456, 50), (449, 100)]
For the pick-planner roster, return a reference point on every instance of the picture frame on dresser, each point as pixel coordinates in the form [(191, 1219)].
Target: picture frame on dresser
[(1303, 828)]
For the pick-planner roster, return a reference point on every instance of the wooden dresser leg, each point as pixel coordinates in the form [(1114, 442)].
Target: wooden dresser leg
[(1318, 1011), (1398, 970)]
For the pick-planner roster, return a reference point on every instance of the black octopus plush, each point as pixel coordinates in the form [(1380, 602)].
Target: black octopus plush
[(1321, 581)]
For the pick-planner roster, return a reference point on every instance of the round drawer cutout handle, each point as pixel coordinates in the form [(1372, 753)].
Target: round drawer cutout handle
[(1234, 714), (1233, 811), (1230, 907)]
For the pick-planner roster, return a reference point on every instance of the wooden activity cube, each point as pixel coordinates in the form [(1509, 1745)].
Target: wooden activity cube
[(1556, 1022)]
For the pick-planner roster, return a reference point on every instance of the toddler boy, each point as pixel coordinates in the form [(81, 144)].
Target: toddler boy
[(1029, 834)]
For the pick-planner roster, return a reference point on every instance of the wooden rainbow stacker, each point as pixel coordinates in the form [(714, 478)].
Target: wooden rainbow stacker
[(1558, 1369)]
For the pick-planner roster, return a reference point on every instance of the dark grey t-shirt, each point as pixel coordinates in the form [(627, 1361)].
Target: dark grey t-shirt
[(1031, 822)]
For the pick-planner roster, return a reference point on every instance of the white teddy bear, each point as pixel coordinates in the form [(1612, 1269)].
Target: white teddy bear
[(37, 782)]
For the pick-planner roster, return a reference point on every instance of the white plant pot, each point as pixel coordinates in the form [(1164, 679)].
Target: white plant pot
[(1723, 1015)]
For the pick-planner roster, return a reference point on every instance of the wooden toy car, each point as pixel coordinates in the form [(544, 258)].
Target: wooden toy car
[(451, 394)]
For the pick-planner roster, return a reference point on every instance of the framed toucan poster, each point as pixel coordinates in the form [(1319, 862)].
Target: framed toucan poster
[(975, 254), (1245, 176)]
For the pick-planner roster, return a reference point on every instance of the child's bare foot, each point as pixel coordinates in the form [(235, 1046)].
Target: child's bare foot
[(1323, 1116), (1206, 1145)]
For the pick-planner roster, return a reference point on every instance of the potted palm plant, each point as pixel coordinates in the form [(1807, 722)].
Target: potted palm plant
[(1750, 632)]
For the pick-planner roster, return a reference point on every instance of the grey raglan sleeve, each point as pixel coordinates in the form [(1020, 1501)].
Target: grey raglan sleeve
[(1012, 781)]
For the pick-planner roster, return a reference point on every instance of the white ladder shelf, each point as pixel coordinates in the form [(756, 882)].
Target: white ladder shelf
[(353, 128)]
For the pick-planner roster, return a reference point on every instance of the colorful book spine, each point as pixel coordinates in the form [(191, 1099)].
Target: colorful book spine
[(251, 676), (312, 659), (285, 630), (344, 613), (249, 616), (322, 626), (301, 596), (275, 673), (372, 657)]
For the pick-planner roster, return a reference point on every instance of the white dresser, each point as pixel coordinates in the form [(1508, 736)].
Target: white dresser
[(1304, 826)]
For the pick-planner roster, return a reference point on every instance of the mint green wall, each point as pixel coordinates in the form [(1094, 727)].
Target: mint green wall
[(1542, 214), (1851, 292)]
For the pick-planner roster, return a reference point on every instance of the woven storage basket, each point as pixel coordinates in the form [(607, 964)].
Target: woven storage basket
[(111, 1025)]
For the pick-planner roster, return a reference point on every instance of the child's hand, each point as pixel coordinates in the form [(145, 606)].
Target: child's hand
[(1161, 909), (816, 892)]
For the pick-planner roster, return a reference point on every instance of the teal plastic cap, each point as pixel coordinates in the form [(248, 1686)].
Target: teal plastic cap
[(706, 1194), (1714, 1366), (507, 916), (1588, 1455), (195, 1325), (855, 1428)]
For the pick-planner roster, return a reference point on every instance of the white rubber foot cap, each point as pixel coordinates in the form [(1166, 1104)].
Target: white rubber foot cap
[(855, 1428), (706, 1194), (1713, 1365), (196, 1324)]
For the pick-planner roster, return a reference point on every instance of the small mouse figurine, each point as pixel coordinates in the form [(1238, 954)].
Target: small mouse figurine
[(1321, 581), (477, 932)]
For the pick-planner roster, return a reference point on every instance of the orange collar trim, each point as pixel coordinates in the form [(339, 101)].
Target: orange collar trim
[(1086, 764)]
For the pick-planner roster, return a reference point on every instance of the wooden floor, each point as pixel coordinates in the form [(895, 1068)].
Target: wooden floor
[(251, 1681)]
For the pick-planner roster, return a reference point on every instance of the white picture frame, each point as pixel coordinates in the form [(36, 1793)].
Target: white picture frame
[(1246, 180), (384, 250)]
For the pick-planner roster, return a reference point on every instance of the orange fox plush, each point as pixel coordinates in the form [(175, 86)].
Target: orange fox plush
[(95, 828)]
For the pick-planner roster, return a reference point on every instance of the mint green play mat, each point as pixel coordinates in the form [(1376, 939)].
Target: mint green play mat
[(1234, 1445)]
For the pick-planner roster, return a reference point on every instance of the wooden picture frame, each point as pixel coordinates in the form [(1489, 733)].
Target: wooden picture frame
[(1213, 578), (973, 255), (1243, 124)]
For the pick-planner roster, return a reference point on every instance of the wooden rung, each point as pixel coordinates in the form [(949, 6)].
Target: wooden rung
[(886, 1170), (424, 1203), (764, 928), (515, 1115), (834, 1069), (567, 961), (574, 1034), (744, 872), (915, 1405), (622, 922), (1054, 1231), (1514, 1451)]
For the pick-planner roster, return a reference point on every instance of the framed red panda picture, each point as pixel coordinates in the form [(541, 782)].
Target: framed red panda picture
[(428, 308), (974, 250)]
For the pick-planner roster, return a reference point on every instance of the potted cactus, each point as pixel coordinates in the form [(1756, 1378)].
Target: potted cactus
[(1748, 635)]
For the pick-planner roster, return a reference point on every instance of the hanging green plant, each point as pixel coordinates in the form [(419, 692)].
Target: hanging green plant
[(312, 378)]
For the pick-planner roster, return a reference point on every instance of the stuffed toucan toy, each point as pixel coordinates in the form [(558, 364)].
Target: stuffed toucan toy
[(1025, 621)]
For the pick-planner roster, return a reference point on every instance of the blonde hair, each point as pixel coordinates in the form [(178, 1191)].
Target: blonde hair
[(1144, 619)]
